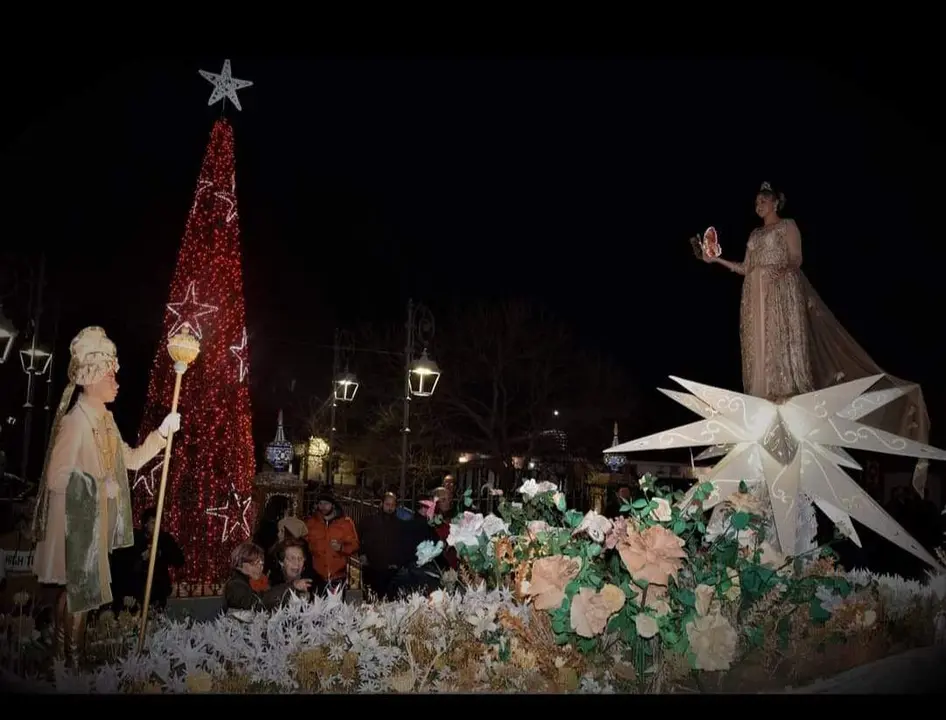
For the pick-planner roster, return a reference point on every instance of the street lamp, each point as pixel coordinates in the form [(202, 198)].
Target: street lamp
[(35, 361), (424, 376), (8, 333), (420, 376), (344, 387)]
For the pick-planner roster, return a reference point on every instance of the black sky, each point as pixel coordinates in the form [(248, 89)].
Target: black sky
[(575, 180)]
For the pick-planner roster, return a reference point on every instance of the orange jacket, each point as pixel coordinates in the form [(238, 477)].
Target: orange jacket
[(328, 563)]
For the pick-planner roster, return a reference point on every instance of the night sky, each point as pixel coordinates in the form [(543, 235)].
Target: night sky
[(575, 181)]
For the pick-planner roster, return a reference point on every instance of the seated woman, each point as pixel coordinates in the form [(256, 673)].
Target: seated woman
[(246, 562), (290, 557)]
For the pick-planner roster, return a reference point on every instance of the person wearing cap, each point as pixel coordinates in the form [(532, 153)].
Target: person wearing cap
[(332, 541), (84, 487)]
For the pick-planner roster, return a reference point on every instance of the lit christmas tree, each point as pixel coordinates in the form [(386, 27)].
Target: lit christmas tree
[(207, 502)]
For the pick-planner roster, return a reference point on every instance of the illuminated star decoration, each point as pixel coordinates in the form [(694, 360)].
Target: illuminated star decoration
[(794, 447), (202, 186), (234, 513), (149, 478), (225, 85), (242, 354), (188, 312), (230, 198)]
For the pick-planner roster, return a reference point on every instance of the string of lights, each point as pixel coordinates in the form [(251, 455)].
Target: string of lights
[(212, 461)]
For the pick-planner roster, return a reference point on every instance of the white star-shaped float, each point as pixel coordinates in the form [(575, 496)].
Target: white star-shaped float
[(794, 447), (149, 476), (235, 513), (188, 312), (225, 85), (242, 353)]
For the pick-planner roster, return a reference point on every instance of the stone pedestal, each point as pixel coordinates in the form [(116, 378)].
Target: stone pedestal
[(269, 483)]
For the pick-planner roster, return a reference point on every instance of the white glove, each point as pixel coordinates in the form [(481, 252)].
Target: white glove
[(172, 423)]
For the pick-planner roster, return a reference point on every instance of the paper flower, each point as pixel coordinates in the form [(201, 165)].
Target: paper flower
[(530, 488), (595, 525), (663, 512), (590, 610), (550, 575), (429, 509), (618, 532), (427, 551), (654, 555), (713, 641), (645, 625)]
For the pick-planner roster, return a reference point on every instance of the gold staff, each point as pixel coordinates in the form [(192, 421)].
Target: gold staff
[(183, 349)]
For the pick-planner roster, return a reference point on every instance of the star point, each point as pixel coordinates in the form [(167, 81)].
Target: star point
[(225, 85), (149, 478), (242, 354)]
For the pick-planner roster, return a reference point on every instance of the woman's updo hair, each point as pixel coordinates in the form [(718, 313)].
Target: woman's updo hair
[(777, 197)]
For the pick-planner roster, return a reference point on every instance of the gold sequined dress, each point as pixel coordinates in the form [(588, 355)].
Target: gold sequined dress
[(776, 360)]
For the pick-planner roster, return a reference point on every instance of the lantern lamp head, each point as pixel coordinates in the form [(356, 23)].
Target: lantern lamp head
[(35, 359), (346, 386), (424, 376)]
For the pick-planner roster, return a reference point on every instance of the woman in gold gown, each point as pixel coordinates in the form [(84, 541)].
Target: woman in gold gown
[(792, 343)]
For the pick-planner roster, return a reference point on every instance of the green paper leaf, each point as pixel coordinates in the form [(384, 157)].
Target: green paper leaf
[(639, 504), (816, 612), (679, 527), (686, 597), (740, 521), (573, 518)]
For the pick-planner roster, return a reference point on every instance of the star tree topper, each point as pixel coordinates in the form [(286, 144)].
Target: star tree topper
[(188, 312), (225, 85), (234, 513), (794, 447)]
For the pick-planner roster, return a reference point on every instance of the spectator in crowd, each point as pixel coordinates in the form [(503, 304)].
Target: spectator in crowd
[(131, 565), (332, 541), (291, 564), (386, 547), (246, 564)]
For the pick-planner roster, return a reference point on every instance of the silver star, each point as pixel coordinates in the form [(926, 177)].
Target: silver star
[(242, 354), (151, 477), (231, 523), (225, 85), (188, 311), (794, 447), (230, 199)]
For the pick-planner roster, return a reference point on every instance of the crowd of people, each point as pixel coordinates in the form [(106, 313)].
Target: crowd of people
[(290, 556)]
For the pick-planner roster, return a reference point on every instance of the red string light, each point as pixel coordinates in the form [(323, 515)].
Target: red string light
[(213, 455)]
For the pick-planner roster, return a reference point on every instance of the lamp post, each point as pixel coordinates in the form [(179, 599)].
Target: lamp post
[(344, 388), (35, 360), (420, 376)]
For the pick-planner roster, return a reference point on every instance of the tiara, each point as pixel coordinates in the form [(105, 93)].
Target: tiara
[(766, 187)]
